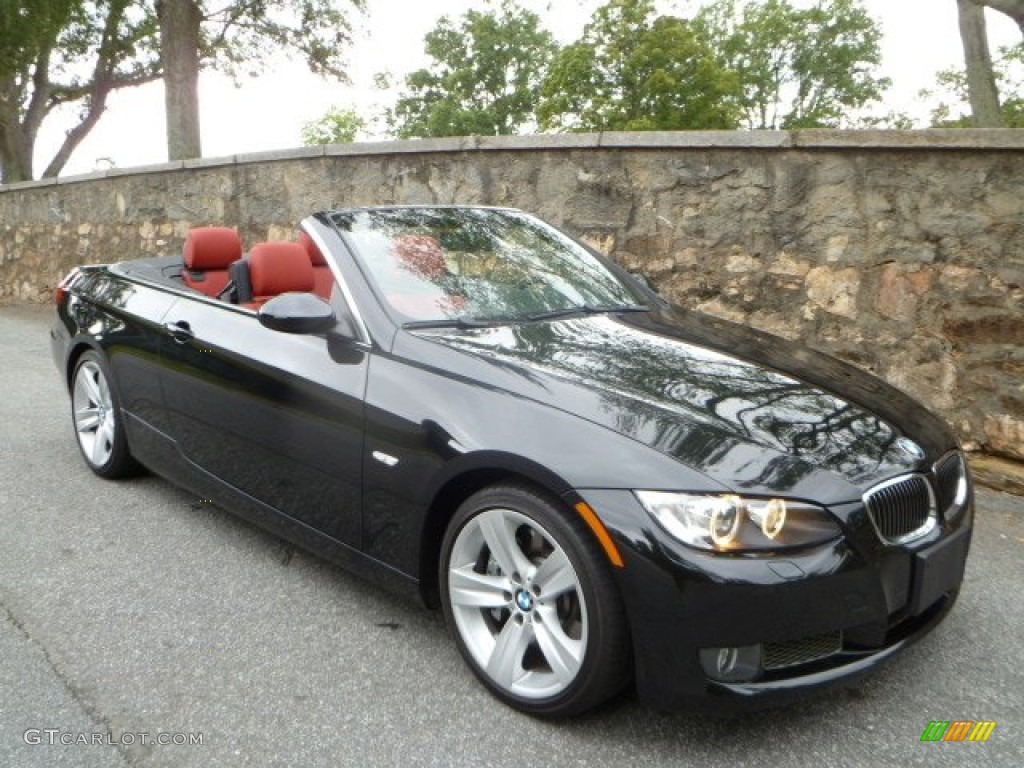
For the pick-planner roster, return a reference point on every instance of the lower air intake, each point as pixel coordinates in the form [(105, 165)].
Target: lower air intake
[(796, 652)]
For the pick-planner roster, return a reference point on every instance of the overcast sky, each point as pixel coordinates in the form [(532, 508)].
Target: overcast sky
[(921, 38)]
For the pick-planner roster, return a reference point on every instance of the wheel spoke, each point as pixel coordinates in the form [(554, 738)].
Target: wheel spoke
[(99, 446), (87, 419), (80, 397), (561, 652), (469, 588), (92, 390), (104, 391), (555, 575), (501, 540), (505, 666)]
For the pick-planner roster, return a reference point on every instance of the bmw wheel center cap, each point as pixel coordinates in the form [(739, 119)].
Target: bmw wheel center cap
[(524, 600)]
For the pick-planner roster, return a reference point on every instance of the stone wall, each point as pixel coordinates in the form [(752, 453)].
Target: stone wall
[(900, 252)]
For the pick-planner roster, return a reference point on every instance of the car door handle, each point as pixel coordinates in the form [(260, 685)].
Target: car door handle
[(180, 331)]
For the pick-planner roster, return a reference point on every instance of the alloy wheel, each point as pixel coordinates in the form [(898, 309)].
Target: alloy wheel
[(517, 604), (93, 408)]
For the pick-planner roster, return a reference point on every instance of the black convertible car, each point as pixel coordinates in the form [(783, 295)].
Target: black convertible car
[(598, 489)]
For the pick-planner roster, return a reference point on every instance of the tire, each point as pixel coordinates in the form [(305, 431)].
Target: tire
[(530, 600), (97, 419)]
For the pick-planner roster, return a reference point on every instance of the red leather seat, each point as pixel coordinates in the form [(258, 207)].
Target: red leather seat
[(321, 272), (209, 251), (276, 268)]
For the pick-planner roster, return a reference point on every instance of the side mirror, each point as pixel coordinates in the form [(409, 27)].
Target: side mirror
[(297, 313)]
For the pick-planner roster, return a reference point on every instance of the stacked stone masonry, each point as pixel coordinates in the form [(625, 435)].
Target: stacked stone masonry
[(900, 252)]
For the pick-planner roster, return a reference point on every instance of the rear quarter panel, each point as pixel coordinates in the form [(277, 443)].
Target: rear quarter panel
[(107, 311)]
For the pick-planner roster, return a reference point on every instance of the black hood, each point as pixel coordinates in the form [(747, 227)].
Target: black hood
[(754, 412)]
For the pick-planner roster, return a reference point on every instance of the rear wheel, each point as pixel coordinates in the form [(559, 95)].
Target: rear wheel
[(530, 601), (98, 421)]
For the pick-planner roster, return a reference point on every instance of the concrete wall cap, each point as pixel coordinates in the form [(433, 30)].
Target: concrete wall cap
[(295, 153), (981, 139), (141, 170), (929, 139)]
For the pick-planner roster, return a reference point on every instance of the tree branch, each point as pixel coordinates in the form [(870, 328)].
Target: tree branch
[(237, 11), (38, 105), (102, 83), (97, 104), (1012, 8)]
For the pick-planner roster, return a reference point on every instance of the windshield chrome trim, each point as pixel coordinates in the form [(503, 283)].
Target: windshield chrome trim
[(346, 292)]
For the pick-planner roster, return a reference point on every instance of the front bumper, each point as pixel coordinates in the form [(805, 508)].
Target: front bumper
[(874, 599)]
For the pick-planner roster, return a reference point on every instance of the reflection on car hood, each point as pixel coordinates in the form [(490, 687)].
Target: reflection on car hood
[(768, 415)]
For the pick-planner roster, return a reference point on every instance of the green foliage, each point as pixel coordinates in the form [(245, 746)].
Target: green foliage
[(66, 52), (797, 68), (890, 121), (338, 126), (25, 28), (239, 34), (953, 109), (632, 71), (60, 47), (485, 71)]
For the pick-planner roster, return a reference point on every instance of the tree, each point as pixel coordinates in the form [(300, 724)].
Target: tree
[(954, 109), (55, 53), (982, 90), (632, 71), (797, 67), (61, 52), (484, 77), (236, 33), (338, 126)]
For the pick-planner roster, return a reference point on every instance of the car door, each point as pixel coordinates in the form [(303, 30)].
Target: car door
[(277, 416)]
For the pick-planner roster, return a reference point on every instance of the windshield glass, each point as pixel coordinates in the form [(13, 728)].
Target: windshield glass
[(479, 265)]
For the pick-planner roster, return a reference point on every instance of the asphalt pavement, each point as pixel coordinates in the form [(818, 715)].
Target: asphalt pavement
[(131, 611)]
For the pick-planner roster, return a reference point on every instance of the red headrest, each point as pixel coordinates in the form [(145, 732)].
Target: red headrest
[(212, 248), (421, 255), (278, 268), (312, 249)]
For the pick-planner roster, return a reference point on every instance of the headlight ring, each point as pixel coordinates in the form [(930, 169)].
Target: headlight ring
[(728, 523)]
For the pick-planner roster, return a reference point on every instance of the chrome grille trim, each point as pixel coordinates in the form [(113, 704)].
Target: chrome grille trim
[(951, 481), (793, 653), (902, 508)]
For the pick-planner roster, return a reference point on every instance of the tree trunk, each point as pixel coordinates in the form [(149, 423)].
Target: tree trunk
[(981, 81), (179, 52), (15, 152), (15, 156)]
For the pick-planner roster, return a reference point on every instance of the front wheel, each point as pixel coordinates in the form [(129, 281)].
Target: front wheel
[(531, 603), (98, 422)]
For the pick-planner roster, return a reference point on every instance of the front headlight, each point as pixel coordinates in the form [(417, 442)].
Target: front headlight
[(730, 523)]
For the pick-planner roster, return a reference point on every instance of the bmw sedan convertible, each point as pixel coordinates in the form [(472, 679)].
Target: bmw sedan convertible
[(600, 490)]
